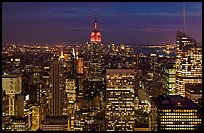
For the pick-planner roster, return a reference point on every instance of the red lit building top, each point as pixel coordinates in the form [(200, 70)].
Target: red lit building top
[(95, 34)]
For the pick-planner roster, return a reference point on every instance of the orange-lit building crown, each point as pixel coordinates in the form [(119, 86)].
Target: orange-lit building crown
[(95, 34)]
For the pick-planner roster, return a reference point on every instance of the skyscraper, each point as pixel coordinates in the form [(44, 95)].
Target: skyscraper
[(12, 84), (95, 34), (120, 93), (188, 62), (57, 89), (95, 55), (5, 111), (173, 112)]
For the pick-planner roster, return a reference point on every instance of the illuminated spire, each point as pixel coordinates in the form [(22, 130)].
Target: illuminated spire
[(95, 23), (95, 34)]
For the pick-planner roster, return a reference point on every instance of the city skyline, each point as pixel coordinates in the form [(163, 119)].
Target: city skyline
[(118, 22)]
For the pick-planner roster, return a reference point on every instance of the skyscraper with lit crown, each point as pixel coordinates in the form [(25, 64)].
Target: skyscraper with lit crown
[(95, 34), (95, 55)]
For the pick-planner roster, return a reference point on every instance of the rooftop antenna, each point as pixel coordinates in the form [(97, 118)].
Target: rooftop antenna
[(95, 21), (184, 17)]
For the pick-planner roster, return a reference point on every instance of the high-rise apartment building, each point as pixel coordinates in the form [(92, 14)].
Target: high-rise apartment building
[(188, 62), (120, 94), (12, 84), (173, 112)]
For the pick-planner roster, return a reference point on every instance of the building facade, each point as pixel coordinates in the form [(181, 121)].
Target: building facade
[(188, 62), (120, 93), (57, 88), (194, 92), (19, 123), (12, 84), (5, 112), (54, 123), (173, 112), (169, 77)]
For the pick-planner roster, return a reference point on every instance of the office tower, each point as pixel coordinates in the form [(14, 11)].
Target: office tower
[(194, 92), (5, 112), (19, 105), (57, 88), (188, 62), (149, 84), (44, 95), (120, 94), (169, 76), (79, 66), (69, 60), (173, 112), (12, 84), (70, 89), (35, 80), (86, 115), (79, 74)]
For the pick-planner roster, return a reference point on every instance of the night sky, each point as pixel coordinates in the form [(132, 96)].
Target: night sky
[(119, 22)]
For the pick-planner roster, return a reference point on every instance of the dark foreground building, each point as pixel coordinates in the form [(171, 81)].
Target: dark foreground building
[(173, 112)]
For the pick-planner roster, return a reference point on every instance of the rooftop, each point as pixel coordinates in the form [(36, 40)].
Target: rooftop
[(11, 75), (120, 71), (194, 85), (55, 120), (194, 88), (174, 102)]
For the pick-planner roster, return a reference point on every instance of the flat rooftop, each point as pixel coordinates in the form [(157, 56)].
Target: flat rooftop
[(176, 102), (11, 75), (55, 120), (194, 85), (120, 71)]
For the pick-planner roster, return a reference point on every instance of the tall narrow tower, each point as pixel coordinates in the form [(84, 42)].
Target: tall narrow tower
[(95, 55), (56, 89), (95, 34)]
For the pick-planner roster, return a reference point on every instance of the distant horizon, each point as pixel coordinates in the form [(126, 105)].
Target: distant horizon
[(198, 44), (119, 22)]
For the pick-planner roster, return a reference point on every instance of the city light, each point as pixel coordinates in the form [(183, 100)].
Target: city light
[(133, 74)]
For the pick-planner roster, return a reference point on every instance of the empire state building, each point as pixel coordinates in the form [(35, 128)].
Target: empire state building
[(95, 49), (95, 34)]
